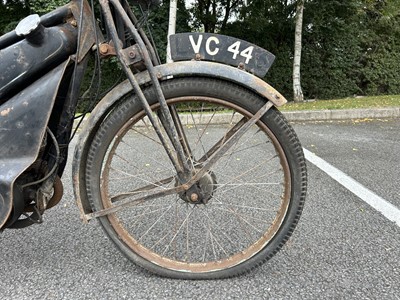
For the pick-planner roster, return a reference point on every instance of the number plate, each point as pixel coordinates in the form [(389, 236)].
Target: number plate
[(223, 49)]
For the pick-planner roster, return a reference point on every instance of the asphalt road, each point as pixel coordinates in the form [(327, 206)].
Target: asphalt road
[(342, 248)]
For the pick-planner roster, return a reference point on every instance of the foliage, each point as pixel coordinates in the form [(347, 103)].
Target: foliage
[(158, 24), (11, 11), (350, 47), (213, 15), (44, 6), (380, 48), (270, 24), (331, 49)]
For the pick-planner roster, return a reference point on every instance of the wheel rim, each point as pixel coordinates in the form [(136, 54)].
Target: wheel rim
[(243, 215)]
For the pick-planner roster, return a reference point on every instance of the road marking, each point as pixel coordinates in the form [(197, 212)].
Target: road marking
[(387, 209)]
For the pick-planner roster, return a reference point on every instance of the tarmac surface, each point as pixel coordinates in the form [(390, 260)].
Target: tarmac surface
[(341, 249)]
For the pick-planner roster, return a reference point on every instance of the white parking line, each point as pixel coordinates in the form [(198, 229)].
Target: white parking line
[(384, 207)]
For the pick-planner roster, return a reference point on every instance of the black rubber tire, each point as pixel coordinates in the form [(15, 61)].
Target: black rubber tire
[(275, 123)]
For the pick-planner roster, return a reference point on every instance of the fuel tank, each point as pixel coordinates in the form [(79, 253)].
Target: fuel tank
[(29, 59)]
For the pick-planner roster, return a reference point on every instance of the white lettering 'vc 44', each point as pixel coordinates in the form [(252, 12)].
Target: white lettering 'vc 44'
[(211, 47)]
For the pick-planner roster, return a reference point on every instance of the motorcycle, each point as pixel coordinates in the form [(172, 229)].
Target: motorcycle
[(189, 166)]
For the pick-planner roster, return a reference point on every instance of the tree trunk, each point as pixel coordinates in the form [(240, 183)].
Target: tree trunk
[(171, 26), (297, 91)]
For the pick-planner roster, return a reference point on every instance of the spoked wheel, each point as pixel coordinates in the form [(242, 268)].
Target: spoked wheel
[(244, 208)]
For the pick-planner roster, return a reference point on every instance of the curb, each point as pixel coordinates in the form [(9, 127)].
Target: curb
[(342, 114), (328, 115)]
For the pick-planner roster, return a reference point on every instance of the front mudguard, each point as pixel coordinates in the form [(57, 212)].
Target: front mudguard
[(164, 72)]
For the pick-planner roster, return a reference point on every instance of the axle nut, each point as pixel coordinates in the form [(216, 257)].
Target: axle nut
[(194, 197)]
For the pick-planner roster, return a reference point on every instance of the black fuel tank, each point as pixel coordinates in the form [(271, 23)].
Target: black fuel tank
[(25, 61)]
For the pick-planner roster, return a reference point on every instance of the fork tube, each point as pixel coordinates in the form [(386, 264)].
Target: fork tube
[(181, 134), (150, 68), (183, 167)]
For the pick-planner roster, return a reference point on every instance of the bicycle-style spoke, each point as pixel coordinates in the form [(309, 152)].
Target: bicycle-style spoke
[(242, 216), (177, 231), (253, 169), (138, 218), (216, 226), (204, 130), (221, 142), (155, 223)]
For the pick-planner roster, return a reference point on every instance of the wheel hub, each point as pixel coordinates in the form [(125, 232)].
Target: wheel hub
[(202, 191)]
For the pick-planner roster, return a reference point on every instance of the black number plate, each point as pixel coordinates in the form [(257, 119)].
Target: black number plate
[(223, 49)]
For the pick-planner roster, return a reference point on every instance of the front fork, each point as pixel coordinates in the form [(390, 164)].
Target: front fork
[(177, 156), (176, 145)]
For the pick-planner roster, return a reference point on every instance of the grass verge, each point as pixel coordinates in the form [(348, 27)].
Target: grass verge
[(347, 103)]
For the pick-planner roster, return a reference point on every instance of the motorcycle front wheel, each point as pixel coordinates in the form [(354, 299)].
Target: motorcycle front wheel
[(254, 193)]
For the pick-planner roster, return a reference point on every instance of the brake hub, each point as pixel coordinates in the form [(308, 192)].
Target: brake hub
[(202, 191)]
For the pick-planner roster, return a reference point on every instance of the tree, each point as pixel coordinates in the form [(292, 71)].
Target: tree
[(171, 26), (158, 24), (380, 47), (347, 47), (213, 15), (270, 25), (297, 90)]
